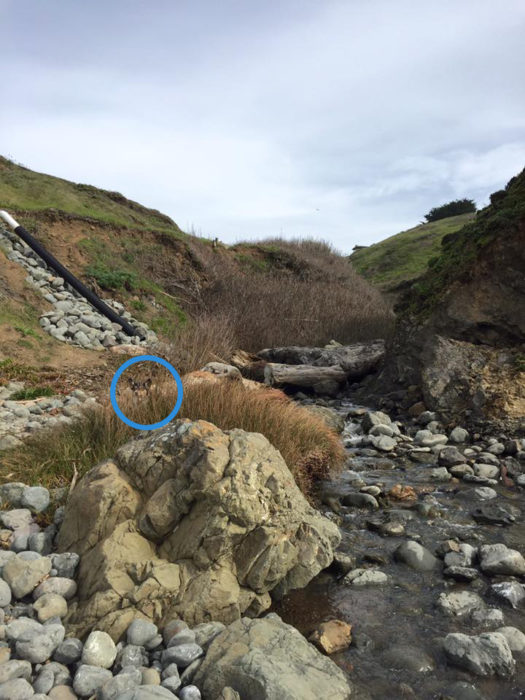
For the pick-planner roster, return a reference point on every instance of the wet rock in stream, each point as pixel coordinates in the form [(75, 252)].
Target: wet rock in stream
[(434, 578)]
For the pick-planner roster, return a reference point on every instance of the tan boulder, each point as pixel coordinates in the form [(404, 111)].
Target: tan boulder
[(190, 521), (332, 636)]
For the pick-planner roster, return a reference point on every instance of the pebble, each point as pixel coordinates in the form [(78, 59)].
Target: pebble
[(58, 585), (36, 498), (366, 577), (88, 679), (50, 605), (17, 689), (140, 632), (23, 576), (99, 650), (182, 654), (69, 651)]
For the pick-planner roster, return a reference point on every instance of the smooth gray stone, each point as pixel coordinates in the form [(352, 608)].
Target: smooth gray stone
[(416, 556), (88, 679), (183, 655), (69, 651), (17, 689), (36, 498), (140, 632)]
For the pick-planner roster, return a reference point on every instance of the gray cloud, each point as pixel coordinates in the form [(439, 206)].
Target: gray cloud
[(344, 120)]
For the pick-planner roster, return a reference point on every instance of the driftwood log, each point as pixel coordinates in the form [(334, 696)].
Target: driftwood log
[(323, 380), (323, 370), (359, 358)]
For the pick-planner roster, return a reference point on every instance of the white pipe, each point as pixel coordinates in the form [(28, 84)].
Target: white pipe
[(8, 219)]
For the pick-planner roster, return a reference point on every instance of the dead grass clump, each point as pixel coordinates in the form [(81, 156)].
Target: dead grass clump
[(310, 449), (206, 338)]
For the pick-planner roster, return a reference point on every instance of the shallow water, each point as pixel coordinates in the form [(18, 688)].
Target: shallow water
[(403, 613)]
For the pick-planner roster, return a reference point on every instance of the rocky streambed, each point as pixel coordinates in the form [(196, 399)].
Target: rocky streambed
[(430, 569)]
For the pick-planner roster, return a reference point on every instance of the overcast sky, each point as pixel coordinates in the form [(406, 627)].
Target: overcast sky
[(340, 119)]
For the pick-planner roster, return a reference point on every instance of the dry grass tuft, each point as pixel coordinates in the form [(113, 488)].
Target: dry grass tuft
[(310, 449)]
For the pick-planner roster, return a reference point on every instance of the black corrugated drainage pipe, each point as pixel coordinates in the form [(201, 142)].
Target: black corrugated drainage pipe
[(90, 296)]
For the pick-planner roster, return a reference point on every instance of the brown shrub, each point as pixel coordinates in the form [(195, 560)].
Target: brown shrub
[(293, 293), (310, 449), (206, 338)]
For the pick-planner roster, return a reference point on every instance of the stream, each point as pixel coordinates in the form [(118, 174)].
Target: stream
[(398, 628)]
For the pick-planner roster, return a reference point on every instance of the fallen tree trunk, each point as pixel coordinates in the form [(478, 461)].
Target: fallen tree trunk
[(323, 380), (351, 357)]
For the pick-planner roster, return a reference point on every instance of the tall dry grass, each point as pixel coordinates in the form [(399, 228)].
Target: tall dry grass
[(279, 292), (205, 338), (310, 449)]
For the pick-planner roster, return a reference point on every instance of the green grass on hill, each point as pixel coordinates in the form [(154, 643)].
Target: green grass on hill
[(24, 189), (405, 256), (459, 252)]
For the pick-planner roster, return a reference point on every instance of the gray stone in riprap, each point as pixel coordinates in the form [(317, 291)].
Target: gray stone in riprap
[(69, 651), (140, 632), (66, 563), (147, 692), (14, 668), (190, 692), (5, 594), (113, 689), (131, 655), (183, 637), (36, 648), (36, 498), (11, 493), (58, 585), (21, 627), (182, 655), (16, 518), (99, 650), (172, 683), (44, 681), (41, 542), (50, 605), (88, 679), (17, 689), (24, 576)]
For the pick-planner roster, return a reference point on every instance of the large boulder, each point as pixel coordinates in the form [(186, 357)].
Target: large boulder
[(194, 522), (267, 659)]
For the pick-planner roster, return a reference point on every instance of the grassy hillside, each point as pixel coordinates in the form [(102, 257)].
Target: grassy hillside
[(22, 189), (404, 256), (204, 298), (503, 220)]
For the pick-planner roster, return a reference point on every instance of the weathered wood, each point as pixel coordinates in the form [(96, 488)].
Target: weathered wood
[(358, 359), (323, 380)]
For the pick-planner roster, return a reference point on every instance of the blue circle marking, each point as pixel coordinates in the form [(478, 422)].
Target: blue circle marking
[(113, 392)]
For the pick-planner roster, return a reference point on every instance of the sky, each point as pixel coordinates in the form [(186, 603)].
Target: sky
[(346, 120)]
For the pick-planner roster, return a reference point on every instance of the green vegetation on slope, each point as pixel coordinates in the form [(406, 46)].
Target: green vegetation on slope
[(273, 292), (24, 189), (405, 256), (460, 250)]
